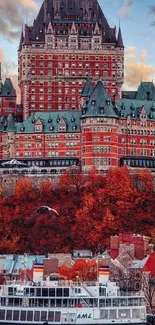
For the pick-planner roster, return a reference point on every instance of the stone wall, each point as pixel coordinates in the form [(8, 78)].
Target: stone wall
[(8, 182)]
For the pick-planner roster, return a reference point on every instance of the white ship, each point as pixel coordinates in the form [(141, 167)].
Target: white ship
[(65, 302)]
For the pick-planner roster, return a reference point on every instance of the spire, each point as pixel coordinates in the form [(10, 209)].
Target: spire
[(21, 41), (87, 90), (27, 36), (119, 39)]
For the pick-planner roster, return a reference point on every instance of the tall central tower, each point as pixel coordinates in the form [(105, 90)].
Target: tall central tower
[(69, 40)]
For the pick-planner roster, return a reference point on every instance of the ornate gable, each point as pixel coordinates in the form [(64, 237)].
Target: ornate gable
[(97, 37), (143, 114), (38, 125), (73, 29), (62, 125), (50, 29), (96, 29)]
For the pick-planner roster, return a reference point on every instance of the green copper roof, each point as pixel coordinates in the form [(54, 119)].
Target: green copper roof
[(11, 123), (99, 103), (87, 90), (50, 122), (132, 108), (8, 89), (146, 90)]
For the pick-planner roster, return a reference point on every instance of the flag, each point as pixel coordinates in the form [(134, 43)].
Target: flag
[(103, 270)]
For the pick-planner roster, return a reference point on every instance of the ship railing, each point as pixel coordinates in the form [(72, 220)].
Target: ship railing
[(51, 283), (130, 293), (18, 282)]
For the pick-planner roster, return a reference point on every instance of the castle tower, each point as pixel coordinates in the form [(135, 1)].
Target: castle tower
[(69, 40), (99, 131)]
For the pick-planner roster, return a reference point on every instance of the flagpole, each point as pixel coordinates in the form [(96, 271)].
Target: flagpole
[(97, 269)]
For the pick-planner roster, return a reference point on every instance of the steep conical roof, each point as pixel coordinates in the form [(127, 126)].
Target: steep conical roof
[(21, 41), (146, 90), (27, 35), (87, 90), (120, 39), (65, 10), (8, 89), (99, 103)]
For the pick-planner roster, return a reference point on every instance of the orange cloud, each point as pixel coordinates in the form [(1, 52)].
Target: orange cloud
[(29, 4), (126, 8), (136, 68)]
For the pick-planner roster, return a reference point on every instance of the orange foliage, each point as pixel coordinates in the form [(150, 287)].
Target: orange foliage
[(91, 208), (82, 270)]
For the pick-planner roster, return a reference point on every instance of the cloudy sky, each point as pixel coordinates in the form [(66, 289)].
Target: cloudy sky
[(137, 19)]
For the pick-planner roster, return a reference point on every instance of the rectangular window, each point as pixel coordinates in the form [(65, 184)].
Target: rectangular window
[(2, 314), (30, 316), (9, 315), (16, 315), (51, 316), (43, 316), (37, 316), (59, 292), (51, 292), (57, 316)]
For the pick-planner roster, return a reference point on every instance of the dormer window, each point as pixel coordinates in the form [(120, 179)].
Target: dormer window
[(148, 97), (93, 102), (101, 110), (62, 125), (132, 107), (153, 108), (122, 106), (38, 126)]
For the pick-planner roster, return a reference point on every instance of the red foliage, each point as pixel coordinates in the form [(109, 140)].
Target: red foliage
[(91, 208), (82, 270)]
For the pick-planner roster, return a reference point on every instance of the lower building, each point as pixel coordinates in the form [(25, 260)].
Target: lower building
[(103, 134), (136, 245)]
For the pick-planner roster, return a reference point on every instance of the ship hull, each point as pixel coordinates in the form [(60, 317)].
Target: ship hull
[(50, 323)]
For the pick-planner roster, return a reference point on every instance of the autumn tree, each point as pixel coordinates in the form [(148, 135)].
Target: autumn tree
[(81, 270), (148, 286)]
